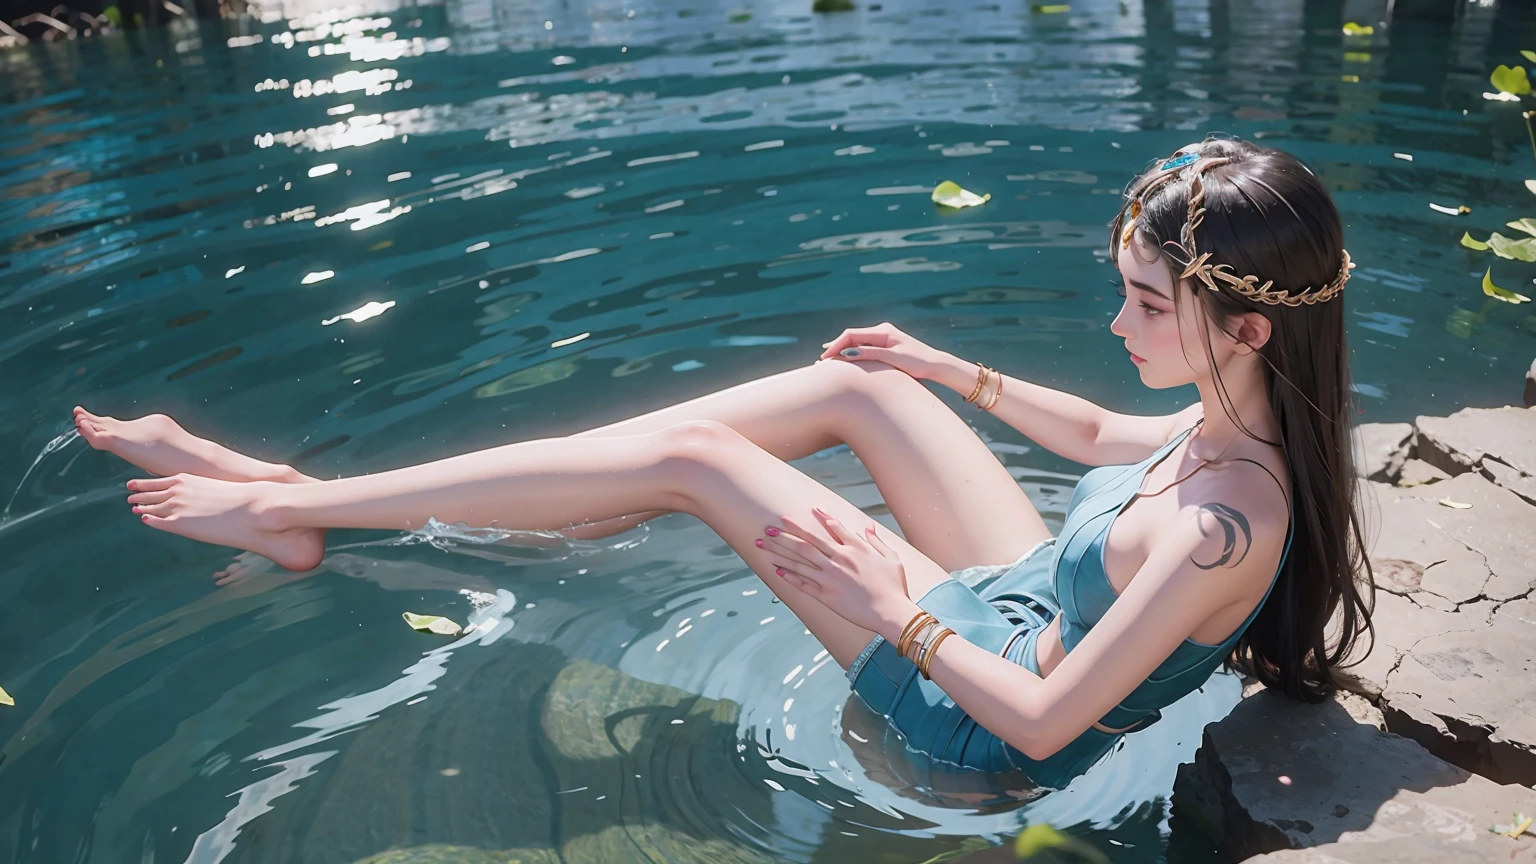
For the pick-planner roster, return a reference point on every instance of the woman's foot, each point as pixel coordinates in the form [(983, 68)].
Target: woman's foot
[(160, 446), (226, 514)]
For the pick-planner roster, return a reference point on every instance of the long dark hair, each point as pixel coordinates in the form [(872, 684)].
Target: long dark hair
[(1268, 215)]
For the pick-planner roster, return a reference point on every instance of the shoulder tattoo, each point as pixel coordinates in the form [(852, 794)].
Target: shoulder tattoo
[(1236, 537)]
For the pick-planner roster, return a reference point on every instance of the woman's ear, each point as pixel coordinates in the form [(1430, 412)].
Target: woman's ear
[(1251, 333)]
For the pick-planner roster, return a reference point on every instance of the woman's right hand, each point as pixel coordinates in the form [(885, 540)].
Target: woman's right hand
[(885, 343)]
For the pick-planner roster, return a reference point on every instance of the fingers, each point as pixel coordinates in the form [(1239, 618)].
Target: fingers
[(799, 582), (829, 549), (149, 497), (878, 337), (786, 548)]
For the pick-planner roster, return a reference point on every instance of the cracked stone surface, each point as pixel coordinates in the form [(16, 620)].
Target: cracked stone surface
[(1380, 449), (1473, 439), (1469, 696), (1405, 850), (1454, 665), (1280, 774)]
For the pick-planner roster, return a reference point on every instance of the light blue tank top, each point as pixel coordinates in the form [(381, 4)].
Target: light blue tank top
[(1084, 591)]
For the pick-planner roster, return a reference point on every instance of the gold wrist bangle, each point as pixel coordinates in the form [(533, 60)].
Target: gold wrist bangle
[(920, 656), (981, 378), (910, 631), (915, 647), (928, 660), (997, 395)]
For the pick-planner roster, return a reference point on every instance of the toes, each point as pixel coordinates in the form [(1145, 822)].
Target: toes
[(161, 510), (153, 484), (149, 497), (156, 522)]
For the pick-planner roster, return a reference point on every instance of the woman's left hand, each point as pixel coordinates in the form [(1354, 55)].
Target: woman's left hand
[(855, 575)]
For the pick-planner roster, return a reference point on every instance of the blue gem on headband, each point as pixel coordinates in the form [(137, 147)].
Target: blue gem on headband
[(1179, 161)]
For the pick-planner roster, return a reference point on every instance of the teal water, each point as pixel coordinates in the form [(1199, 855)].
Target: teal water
[(368, 238)]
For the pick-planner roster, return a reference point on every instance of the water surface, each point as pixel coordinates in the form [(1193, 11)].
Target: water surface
[(364, 237)]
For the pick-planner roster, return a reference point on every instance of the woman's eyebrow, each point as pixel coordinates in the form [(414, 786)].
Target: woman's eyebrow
[(1142, 286)]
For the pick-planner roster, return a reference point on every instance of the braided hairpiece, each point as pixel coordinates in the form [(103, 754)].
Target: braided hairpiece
[(1199, 266)]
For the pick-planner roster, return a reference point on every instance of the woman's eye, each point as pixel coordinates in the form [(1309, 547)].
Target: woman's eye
[(1152, 311)]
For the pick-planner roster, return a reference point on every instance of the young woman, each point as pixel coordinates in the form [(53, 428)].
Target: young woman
[(1224, 532)]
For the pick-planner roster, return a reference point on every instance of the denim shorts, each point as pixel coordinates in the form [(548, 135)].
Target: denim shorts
[(1001, 608)]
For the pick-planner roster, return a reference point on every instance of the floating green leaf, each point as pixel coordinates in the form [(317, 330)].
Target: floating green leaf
[(5, 698), (1529, 55), (113, 15), (949, 194), (740, 17), (832, 6), (1512, 80), (1528, 225), (1521, 824), (1041, 837), (1470, 242), (1523, 249), (1531, 185), (1353, 29), (1498, 293), (1050, 8), (433, 623)]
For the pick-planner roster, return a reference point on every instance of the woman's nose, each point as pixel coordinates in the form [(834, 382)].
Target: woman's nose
[(1117, 326)]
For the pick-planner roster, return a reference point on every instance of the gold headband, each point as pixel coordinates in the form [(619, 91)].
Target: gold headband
[(1198, 266)]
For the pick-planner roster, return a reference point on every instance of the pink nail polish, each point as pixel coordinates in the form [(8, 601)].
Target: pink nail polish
[(772, 532), (779, 570), (759, 543)]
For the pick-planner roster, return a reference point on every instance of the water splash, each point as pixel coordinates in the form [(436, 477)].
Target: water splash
[(513, 546), (56, 444)]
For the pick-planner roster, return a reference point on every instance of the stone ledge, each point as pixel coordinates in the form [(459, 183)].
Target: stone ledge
[(1280, 774), (1455, 632)]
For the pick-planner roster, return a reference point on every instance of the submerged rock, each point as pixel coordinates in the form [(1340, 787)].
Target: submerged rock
[(1281, 774)]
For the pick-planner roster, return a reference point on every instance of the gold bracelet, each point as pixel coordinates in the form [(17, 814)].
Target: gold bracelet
[(920, 656), (995, 396), (932, 652), (981, 378), (915, 647), (986, 390), (910, 630), (915, 626)]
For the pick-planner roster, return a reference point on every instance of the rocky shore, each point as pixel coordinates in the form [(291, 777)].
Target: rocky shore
[(1433, 740)]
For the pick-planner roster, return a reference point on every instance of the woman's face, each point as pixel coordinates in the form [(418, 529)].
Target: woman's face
[(1163, 338)]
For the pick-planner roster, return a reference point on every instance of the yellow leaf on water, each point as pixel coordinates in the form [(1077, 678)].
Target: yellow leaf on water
[(1041, 837), (1471, 242), (949, 194), (1521, 824), (1453, 504), (1353, 29), (1531, 185), (5, 698), (1528, 225), (433, 623), (1510, 79), (1498, 293), (1051, 8), (1529, 55)]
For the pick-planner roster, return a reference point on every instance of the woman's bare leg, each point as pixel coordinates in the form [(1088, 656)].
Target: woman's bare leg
[(703, 468), (950, 495)]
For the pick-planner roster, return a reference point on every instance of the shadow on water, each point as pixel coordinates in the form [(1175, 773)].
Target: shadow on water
[(363, 237)]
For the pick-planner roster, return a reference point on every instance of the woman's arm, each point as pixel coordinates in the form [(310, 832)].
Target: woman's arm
[(1067, 425), (1175, 591)]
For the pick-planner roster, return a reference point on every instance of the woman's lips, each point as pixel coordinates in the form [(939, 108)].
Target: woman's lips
[(1138, 360)]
